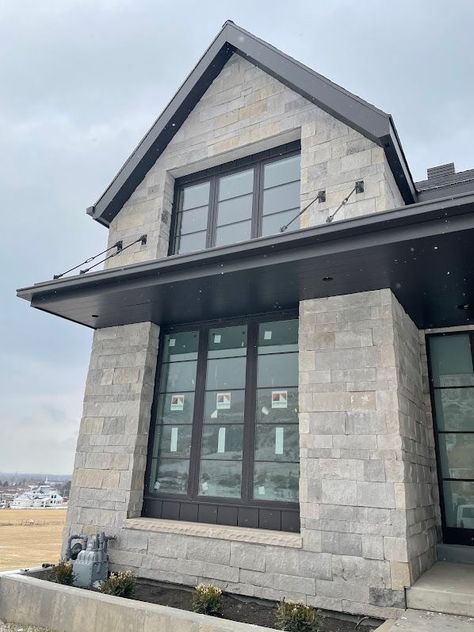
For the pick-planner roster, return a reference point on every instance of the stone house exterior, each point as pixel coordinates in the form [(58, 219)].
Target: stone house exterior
[(341, 406)]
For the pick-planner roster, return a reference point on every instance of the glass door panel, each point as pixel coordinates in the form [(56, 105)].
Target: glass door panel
[(452, 379)]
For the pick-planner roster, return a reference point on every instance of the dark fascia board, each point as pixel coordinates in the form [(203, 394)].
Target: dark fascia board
[(343, 105), (190, 265)]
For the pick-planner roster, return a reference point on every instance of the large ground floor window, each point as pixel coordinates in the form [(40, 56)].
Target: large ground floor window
[(224, 440)]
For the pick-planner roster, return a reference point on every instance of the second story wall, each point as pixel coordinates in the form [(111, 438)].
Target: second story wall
[(246, 111)]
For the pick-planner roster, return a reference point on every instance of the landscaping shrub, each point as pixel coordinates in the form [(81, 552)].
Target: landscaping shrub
[(119, 584), (294, 616), (207, 599), (62, 573)]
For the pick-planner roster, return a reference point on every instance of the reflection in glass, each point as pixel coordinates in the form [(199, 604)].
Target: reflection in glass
[(278, 370), (233, 233), (457, 455), (191, 242), (455, 408), (173, 441), (172, 476), (459, 504), (180, 346), (227, 342), (267, 412), (178, 376), (277, 443), (222, 442), (220, 478), (276, 481), (224, 407), (280, 171), (451, 360), (193, 221), (195, 195), (236, 184), (234, 210)]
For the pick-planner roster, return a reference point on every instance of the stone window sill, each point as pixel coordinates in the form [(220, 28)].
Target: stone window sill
[(218, 532)]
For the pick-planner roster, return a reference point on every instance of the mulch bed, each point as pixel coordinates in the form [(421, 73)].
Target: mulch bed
[(243, 609)]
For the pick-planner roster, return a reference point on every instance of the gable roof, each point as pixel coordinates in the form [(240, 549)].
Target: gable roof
[(343, 105)]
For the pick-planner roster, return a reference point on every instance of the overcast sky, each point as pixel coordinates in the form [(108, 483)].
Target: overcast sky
[(80, 83)]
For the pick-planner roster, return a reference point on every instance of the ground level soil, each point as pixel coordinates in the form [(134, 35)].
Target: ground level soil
[(244, 609), (29, 537)]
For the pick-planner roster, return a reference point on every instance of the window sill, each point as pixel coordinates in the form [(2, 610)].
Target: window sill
[(217, 532)]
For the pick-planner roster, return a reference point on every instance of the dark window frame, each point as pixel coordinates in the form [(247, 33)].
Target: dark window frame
[(451, 535), (256, 161), (245, 511)]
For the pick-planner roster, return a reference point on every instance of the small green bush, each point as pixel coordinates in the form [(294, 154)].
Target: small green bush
[(294, 616), (207, 599), (119, 584), (62, 573)]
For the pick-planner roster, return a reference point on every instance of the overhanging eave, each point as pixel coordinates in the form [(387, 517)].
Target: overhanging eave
[(423, 253)]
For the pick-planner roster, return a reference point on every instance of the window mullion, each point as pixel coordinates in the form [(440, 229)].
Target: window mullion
[(212, 220), (196, 436), (249, 413)]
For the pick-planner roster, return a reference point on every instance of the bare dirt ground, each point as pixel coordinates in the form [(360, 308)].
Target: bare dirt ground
[(29, 537)]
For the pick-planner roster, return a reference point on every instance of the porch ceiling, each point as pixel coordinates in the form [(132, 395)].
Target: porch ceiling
[(423, 252)]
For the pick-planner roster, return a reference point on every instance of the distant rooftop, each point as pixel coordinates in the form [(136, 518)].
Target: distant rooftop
[(445, 177)]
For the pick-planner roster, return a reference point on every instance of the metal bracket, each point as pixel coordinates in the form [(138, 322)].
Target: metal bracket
[(359, 186), (321, 196)]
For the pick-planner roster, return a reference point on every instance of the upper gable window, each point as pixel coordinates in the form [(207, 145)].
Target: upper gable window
[(236, 202)]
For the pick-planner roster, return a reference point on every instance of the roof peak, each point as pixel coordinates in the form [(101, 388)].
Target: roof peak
[(330, 97)]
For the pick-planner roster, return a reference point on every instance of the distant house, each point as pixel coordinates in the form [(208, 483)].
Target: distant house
[(281, 388)]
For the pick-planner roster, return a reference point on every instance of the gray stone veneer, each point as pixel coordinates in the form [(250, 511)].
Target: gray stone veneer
[(107, 484), (245, 111), (367, 486)]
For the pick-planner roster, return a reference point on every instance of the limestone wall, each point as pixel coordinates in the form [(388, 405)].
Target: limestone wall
[(107, 484), (245, 111)]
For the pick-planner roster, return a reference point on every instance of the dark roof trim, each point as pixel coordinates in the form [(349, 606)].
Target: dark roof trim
[(191, 265), (348, 108)]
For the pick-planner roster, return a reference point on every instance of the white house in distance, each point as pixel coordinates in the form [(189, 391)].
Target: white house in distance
[(280, 396)]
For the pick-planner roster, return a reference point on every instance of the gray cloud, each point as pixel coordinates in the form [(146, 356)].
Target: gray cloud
[(81, 82)]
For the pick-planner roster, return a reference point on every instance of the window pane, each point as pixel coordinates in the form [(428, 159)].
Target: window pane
[(176, 408), (459, 504), (192, 221), (236, 184), (233, 233), (227, 341), (234, 210), (451, 360), (278, 336), (173, 441), (277, 443), (272, 224), (280, 171), (456, 452), (277, 406), (178, 376), (276, 481), (224, 407), (226, 373), (191, 243), (454, 408), (282, 198), (172, 476), (278, 370), (220, 478), (222, 442), (180, 346), (195, 195)]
